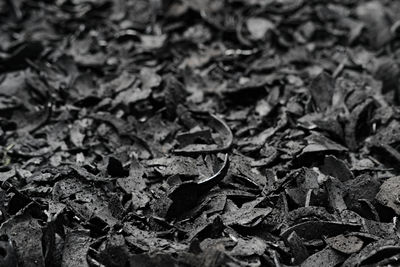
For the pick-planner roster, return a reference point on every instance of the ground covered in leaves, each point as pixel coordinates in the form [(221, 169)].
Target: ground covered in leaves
[(199, 133)]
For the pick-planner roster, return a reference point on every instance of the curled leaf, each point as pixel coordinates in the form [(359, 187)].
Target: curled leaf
[(218, 125), (186, 194)]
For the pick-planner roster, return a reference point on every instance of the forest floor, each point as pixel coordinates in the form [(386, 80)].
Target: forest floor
[(199, 133)]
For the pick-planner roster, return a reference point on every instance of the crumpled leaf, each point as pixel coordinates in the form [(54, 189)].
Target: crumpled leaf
[(318, 144), (387, 71), (86, 201), (317, 229), (249, 215), (297, 247), (325, 257), (322, 89), (362, 187), (223, 129), (76, 247), (135, 185), (359, 124), (345, 244), (186, 194), (114, 251), (25, 234), (337, 168), (388, 194), (148, 241), (374, 16), (253, 246), (373, 252)]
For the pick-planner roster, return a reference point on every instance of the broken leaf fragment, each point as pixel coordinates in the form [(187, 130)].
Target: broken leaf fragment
[(322, 90), (76, 247), (186, 194), (317, 229), (86, 201), (258, 27), (25, 233), (346, 244), (373, 252), (374, 15), (389, 194), (326, 257), (219, 126)]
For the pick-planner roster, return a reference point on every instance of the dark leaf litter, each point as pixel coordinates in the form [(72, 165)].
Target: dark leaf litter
[(199, 133)]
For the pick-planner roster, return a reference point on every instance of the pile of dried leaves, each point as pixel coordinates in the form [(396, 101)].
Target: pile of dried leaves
[(199, 133)]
